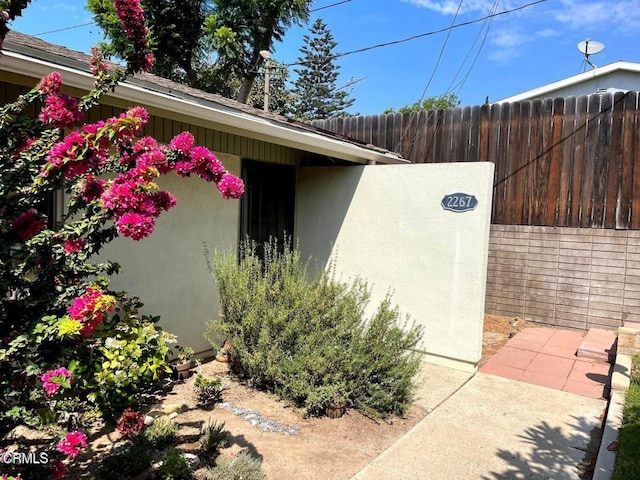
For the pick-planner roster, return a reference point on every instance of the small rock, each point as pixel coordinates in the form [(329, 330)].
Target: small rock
[(173, 415), (192, 460), (148, 420)]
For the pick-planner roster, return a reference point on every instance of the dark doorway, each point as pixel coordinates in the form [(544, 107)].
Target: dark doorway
[(267, 207)]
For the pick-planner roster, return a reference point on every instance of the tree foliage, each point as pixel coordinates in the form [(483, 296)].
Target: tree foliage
[(68, 343), (213, 45), (320, 97), (442, 102)]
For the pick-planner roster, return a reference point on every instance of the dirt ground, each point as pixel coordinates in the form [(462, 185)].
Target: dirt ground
[(324, 449)]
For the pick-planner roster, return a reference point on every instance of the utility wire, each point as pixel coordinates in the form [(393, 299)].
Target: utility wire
[(433, 73), (63, 29), (329, 6), (433, 32)]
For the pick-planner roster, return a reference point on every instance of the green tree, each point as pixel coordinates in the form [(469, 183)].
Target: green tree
[(444, 101), (209, 44), (282, 99), (319, 96)]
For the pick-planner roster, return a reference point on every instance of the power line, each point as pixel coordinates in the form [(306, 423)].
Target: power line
[(433, 32), (329, 6), (63, 29)]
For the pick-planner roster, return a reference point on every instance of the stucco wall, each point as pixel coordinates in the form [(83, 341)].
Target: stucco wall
[(386, 224), (168, 270), (618, 80)]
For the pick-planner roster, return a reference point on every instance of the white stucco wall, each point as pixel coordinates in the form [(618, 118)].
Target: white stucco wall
[(386, 224), (168, 269)]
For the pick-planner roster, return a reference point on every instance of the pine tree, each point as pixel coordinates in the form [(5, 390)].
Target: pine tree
[(320, 98)]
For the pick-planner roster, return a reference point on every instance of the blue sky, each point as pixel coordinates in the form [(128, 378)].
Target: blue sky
[(520, 51)]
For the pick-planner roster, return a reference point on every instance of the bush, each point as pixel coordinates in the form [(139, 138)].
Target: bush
[(307, 338), (174, 466), (126, 462), (162, 432), (208, 391), (213, 436), (628, 452), (243, 467)]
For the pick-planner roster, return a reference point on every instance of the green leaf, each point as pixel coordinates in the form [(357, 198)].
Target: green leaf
[(67, 327)]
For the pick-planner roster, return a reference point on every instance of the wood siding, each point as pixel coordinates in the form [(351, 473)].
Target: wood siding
[(163, 129), (571, 162)]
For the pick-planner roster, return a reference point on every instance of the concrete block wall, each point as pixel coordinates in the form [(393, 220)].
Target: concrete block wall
[(567, 277)]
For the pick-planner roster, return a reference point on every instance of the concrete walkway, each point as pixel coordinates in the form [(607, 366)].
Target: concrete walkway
[(487, 427)]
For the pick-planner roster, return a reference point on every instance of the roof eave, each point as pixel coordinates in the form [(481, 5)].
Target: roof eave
[(225, 118)]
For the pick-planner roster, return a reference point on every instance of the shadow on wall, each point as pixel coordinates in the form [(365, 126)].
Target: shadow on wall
[(320, 210), (554, 453)]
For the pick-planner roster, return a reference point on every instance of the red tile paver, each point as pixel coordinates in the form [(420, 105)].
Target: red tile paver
[(551, 365), (547, 357), (513, 357), (502, 370), (587, 390), (543, 379), (559, 351)]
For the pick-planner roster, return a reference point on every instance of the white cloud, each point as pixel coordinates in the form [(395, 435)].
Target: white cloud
[(622, 15), (449, 7)]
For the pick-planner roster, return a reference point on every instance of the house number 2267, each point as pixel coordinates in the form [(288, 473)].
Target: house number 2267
[(459, 202)]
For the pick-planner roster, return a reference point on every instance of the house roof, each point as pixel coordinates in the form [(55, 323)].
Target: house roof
[(548, 90), (26, 55)]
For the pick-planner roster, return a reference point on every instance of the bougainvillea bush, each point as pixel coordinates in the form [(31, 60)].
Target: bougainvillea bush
[(68, 344)]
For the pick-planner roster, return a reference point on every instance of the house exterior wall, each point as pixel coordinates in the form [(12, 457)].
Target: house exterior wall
[(168, 270), (567, 277), (386, 225), (619, 80)]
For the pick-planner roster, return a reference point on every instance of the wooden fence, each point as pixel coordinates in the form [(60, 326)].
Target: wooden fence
[(559, 162)]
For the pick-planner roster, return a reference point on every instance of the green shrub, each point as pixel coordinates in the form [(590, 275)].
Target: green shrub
[(126, 462), (161, 432), (307, 338), (208, 391), (174, 466), (213, 436), (627, 465), (243, 467)]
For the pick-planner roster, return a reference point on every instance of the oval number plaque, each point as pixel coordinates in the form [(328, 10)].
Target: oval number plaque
[(459, 202)]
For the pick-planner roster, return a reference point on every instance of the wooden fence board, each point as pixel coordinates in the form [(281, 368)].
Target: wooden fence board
[(562, 162)]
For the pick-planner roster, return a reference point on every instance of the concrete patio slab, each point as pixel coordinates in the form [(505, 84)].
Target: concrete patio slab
[(495, 428)]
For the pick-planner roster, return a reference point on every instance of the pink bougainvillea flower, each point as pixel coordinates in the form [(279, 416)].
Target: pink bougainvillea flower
[(28, 224), (90, 309), (61, 111), (74, 246), (50, 84), (91, 188), (54, 379), (135, 225), (97, 62), (230, 186), (72, 443), (58, 469), (183, 142)]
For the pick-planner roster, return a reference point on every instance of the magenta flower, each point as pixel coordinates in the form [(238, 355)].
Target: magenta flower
[(28, 224), (91, 188), (50, 84), (136, 226), (183, 142), (61, 110), (230, 186), (54, 379), (97, 62), (72, 443), (58, 469), (74, 246), (89, 309)]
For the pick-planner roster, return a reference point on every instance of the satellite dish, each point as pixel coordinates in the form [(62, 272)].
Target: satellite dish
[(590, 47)]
